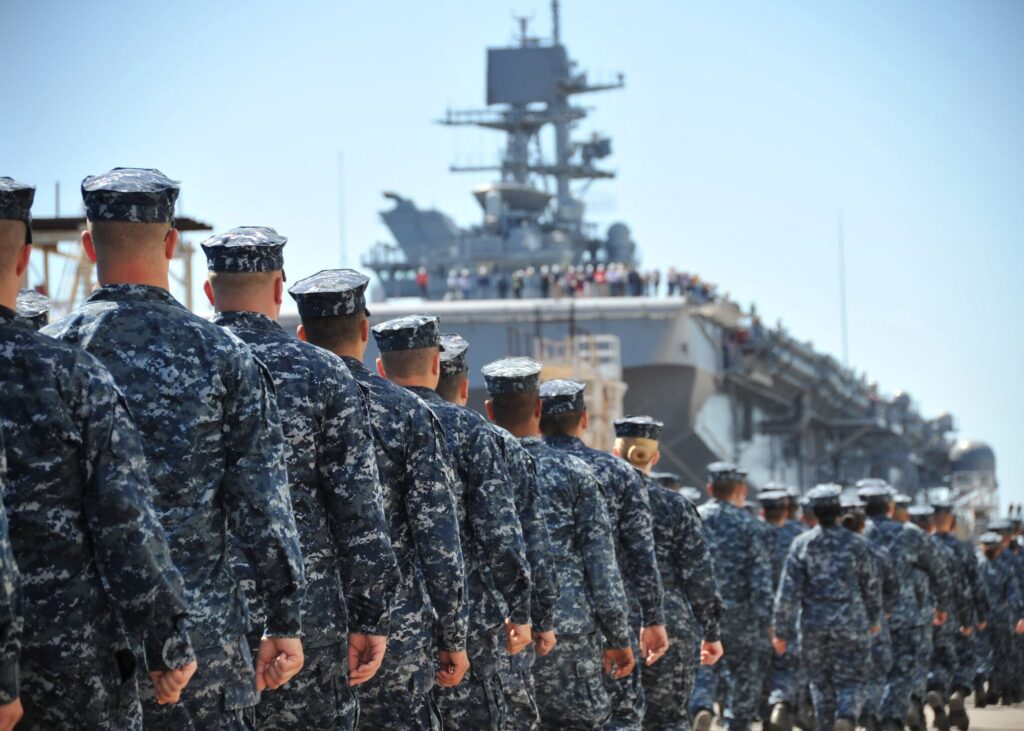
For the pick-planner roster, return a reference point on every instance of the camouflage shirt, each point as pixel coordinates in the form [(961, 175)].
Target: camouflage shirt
[(626, 497), (967, 566), (691, 590), (497, 572), (11, 614), (523, 472), (332, 476), (591, 596), (214, 451), (742, 564), (780, 538), (830, 581), (413, 462), (908, 549), (86, 538), (1006, 603)]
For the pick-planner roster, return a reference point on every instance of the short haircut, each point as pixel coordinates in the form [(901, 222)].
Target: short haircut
[(514, 408), (775, 512), (854, 520), (333, 332), (12, 239), (124, 238), (449, 386), (876, 509), (558, 424), (408, 363), (227, 283), (723, 488), (827, 513)]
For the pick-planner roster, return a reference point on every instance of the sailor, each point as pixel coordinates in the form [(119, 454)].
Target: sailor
[(516, 677), (564, 421), (693, 606), (831, 596), (94, 560), (909, 550), (34, 308), (418, 483), (783, 691), (1010, 684), (213, 444), (591, 612), (1005, 619), (12, 619), (498, 574), (901, 507), (333, 484), (743, 568)]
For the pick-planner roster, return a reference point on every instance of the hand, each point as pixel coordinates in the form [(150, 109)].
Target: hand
[(940, 618), (454, 666), (710, 652), (982, 626), (10, 714), (545, 642), (966, 631), (653, 643), (1019, 629), (518, 637), (365, 654), (874, 629), (279, 659), (170, 683), (619, 663), (779, 645)]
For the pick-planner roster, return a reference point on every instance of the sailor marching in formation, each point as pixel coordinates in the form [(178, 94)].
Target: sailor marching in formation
[(219, 525)]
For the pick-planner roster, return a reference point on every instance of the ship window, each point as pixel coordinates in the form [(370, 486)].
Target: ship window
[(384, 275)]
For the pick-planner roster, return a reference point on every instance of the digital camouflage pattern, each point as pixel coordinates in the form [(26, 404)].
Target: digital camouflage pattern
[(16, 203), (591, 604), (214, 453), (693, 607), (319, 697), (132, 195), (330, 293), (967, 566), (742, 564), (245, 249), (511, 375), (497, 570), (453, 355), (33, 308), (643, 427), (562, 396), (11, 613), (92, 555), (1006, 606), (428, 611), (784, 673), (407, 333), (350, 567), (830, 596)]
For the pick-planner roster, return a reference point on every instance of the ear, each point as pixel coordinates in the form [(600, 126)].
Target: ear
[(87, 244), (300, 333), (279, 290), (170, 243), (380, 368), (488, 407), (435, 364), (708, 489), (537, 408), (23, 257), (585, 421), (364, 330), (616, 451), (208, 288), (464, 390)]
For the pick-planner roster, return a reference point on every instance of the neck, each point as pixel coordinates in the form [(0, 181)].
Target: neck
[(524, 429), (776, 521), (9, 292), (270, 309), (416, 381), (355, 351), (108, 273)]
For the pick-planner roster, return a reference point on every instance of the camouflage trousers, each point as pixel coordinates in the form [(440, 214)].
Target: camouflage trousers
[(668, 684), (784, 672), (319, 697), (478, 702), (966, 663), (900, 683), (626, 696), (220, 697), (836, 662), (878, 671), (398, 698), (944, 660), (922, 660), (520, 698), (101, 695), (570, 689), (734, 680), (998, 643)]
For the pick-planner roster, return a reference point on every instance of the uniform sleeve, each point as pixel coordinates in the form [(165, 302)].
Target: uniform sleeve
[(926, 558), (129, 543), (890, 586), (544, 595), (593, 537), (490, 508), (355, 503), (434, 522), (961, 587), (11, 613), (761, 583), (789, 597), (978, 594), (256, 497), (636, 537), (693, 562), (870, 584)]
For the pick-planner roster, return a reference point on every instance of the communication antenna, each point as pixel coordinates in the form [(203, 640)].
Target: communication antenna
[(555, 30), (842, 292), (342, 239)]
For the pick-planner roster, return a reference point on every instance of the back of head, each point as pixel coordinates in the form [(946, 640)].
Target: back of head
[(638, 451), (511, 409), (450, 386), (410, 363), (332, 307), (334, 332), (561, 424)]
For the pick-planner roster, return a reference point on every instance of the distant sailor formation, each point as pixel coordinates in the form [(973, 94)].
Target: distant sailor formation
[(223, 525)]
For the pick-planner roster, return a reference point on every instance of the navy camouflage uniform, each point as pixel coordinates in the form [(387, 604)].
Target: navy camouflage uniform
[(625, 494), (418, 484), (214, 454), (1006, 607), (497, 572), (351, 570), (830, 593), (33, 308), (12, 619)]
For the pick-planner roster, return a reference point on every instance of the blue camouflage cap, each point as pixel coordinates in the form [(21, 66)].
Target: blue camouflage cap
[(920, 512), (408, 333), (133, 195), (1000, 525), (331, 293), (823, 495), (453, 354), (942, 505), (874, 491), (721, 471), (990, 539), (511, 375), (902, 500), (34, 308), (16, 203), (667, 479), (773, 498), (851, 501), (245, 249), (692, 494), (644, 427), (562, 396)]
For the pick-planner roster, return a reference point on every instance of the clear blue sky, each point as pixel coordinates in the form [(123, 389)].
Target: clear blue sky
[(743, 129)]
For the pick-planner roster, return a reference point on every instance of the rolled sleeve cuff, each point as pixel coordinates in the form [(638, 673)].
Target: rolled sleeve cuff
[(451, 639), (286, 621), (10, 682), (169, 650)]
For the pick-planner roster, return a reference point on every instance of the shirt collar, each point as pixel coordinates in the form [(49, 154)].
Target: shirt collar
[(250, 320), (134, 292)]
